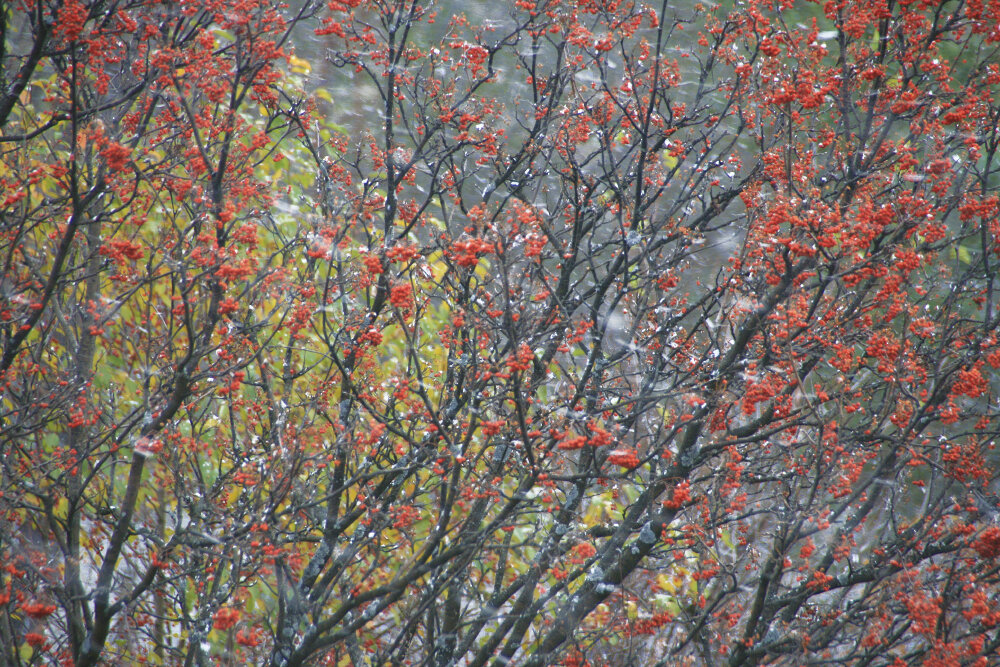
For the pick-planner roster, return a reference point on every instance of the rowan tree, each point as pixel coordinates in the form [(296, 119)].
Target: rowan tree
[(598, 332)]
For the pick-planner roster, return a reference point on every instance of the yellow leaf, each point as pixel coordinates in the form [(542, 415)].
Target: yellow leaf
[(438, 266), (963, 254), (299, 65), (667, 584), (61, 509), (483, 270)]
